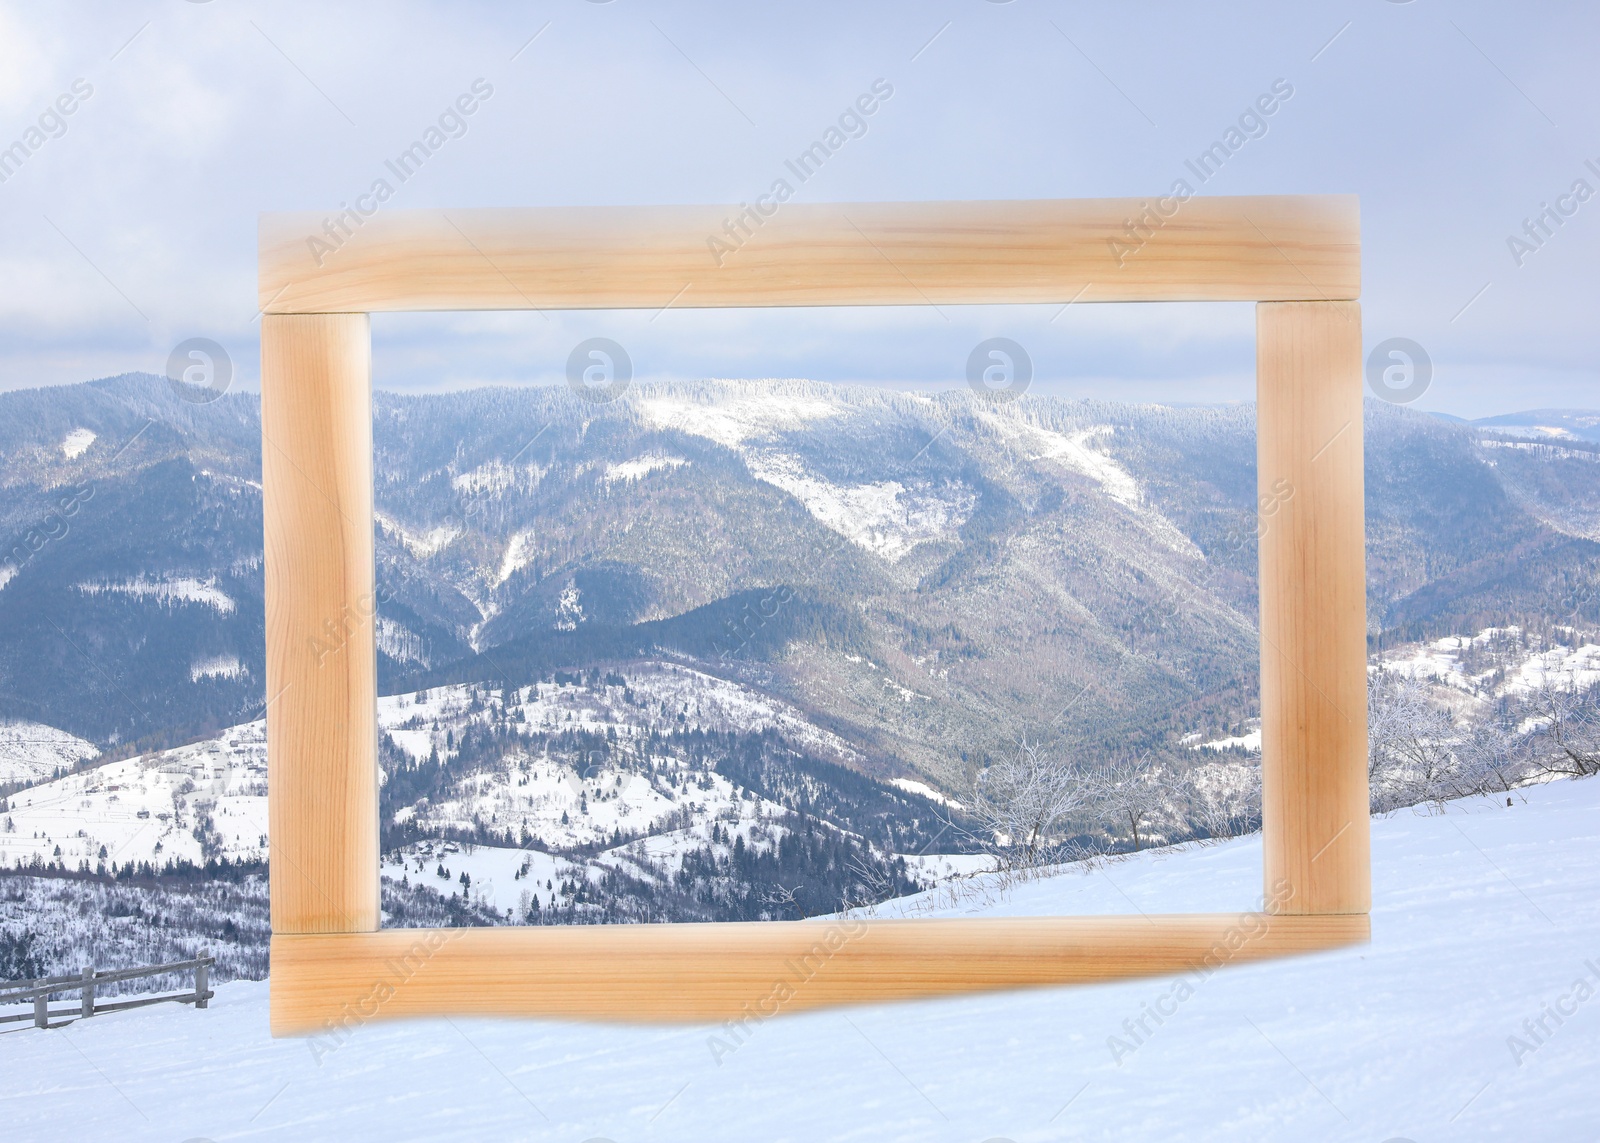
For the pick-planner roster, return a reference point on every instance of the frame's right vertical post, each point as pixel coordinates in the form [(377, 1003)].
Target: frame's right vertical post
[(1313, 606)]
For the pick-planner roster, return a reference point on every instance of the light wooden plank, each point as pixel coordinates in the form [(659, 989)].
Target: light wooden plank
[(322, 765), (652, 973), (1313, 605), (1278, 247), (328, 960)]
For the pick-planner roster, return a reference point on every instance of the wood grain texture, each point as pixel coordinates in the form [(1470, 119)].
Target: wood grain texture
[(333, 970), (322, 765), (1279, 247), (1313, 605), (706, 972)]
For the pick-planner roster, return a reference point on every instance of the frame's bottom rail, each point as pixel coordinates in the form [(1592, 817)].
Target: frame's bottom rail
[(334, 982)]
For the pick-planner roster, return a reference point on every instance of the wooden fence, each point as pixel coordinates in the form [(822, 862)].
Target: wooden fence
[(40, 990)]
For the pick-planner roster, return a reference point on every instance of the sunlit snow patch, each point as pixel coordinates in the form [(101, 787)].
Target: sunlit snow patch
[(77, 442), (924, 790), (32, 751), (496, 476), (641, 466), (216, 667), (733, 421), (420, 544), (1250, 740), (178, 589), (883, 517), (518, 554)]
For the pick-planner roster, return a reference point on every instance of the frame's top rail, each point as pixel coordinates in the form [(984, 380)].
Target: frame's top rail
[(366, 258)]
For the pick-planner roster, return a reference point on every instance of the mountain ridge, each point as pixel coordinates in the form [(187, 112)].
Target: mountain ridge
[(943, 573)]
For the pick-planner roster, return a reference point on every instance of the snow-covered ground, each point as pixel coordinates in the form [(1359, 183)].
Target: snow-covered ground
[(32, 752), (1249, 741), (151, 808), (170, 591), (154, 807), (1515, 670), (660, 693), (884, 517), (500, 875), (1485, 919)]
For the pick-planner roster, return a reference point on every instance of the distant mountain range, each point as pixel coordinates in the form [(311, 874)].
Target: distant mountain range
[(924, 578), (1540, 424)]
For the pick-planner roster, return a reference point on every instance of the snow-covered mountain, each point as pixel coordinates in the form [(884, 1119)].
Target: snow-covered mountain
[(583, 792), (32, 752), (1470, 1016), (1468, 674), (925, 577), (1498, 662)]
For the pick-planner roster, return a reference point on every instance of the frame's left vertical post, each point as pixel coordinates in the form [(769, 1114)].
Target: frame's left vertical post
[(322, 723)]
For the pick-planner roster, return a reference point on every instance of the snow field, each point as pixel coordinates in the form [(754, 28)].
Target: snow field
[(147, 808), (170, 591), (132, 806), (31, 751), (1440, 661), (1484, 918), (499, 875)]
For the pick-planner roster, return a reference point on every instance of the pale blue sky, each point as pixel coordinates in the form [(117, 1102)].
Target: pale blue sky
[(1454, 122)]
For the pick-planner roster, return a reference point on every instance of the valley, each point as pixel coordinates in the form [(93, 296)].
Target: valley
[(727, 650)]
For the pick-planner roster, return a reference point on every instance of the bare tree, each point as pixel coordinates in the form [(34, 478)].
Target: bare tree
[(872, 886), (1493, 758), (1568, 726), (783, 899), (1224, 797), (1020, 801), (1131, 793), (1411, 741)]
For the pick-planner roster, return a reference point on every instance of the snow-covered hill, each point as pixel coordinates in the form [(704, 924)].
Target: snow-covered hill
[(926, 574), (1472, 1015), (32, 752), (1498, 661), (1467, 673), (508, 796), (209, 799), (204, 800)]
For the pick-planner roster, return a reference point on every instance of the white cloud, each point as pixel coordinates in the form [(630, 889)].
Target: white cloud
[(213, 114)]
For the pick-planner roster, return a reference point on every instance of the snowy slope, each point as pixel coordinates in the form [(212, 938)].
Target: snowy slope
[(1509, 667), (155, 807), (1482, 917), (660, 694), (152, 808), (32, 752)]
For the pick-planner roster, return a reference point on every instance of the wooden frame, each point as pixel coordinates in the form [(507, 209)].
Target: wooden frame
[(320, 276)]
